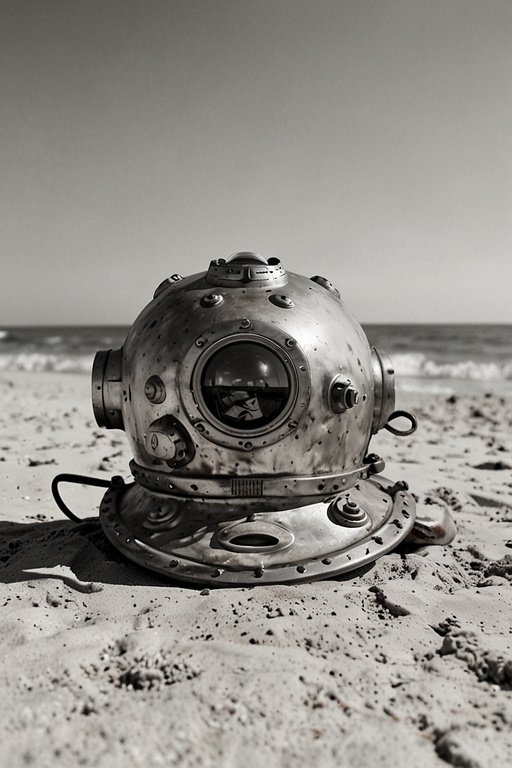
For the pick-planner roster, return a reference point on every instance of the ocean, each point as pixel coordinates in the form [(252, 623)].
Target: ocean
[(437, 358)]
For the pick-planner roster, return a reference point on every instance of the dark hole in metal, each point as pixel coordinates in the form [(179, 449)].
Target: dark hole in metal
[(254, 540)]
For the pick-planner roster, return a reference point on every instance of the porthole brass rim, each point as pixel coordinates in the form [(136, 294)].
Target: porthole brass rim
[(223, 344), (219, 337)]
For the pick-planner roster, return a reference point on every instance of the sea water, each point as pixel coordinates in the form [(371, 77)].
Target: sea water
[(437, 358), (445, 358)]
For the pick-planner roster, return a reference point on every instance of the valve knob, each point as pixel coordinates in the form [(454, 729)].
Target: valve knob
[(348, 513), (342, 395), (166, 439), (162, 445)]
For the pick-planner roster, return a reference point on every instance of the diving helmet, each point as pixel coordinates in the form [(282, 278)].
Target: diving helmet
[(249, 395)]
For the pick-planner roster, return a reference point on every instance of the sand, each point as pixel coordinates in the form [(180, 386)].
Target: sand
[(406, 664)]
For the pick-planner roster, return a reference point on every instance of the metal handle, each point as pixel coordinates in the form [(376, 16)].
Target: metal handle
[(404, 432)]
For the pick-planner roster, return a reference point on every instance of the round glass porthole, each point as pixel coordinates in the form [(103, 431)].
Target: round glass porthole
[(244, 389), (245, 385)]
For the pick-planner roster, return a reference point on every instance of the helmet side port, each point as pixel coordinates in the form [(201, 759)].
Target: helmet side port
[(107, 388)]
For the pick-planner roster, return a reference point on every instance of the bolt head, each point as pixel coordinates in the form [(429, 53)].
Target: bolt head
[(211, 300), (154, 389)]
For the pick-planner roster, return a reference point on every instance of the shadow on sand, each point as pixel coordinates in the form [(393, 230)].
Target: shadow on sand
[(29, 551), (80, 556)]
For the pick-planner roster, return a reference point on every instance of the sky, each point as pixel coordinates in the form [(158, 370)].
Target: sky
[(369, 141)]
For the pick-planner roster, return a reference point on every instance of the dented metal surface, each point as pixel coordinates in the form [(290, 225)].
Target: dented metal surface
[(248, 391), (209, 543)]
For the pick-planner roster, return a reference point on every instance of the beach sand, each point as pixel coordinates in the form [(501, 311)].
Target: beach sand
[(406, 664)]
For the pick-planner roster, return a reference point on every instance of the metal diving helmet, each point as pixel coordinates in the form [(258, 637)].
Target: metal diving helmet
[(249, 396)]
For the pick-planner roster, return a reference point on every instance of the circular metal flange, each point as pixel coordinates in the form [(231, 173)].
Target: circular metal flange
[(107, 394), (210, 300), (248, 486), (163, 517), (384, 392), (246, 268), (154, 389), (348, 513), (284, 302), (207, 544), (221, 336)]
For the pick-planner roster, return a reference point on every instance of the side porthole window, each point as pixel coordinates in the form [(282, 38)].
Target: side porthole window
[(245, 385)]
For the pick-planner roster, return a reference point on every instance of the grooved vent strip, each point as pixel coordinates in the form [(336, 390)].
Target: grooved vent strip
[(241, 486)]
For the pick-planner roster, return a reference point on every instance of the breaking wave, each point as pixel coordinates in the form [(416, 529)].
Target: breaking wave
[(407, 365), (423, 356), (37, 361), (65, 349), (418, 365)]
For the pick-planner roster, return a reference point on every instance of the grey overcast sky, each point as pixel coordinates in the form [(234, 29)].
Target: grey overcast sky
[(365, 140)]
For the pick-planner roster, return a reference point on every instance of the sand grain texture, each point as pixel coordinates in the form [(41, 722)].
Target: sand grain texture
[(408, 663)]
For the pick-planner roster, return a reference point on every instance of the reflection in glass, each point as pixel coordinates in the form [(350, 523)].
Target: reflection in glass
[(245, 385)]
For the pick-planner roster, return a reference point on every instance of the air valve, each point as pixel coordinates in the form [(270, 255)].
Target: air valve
[(342, 395), (167, 440)]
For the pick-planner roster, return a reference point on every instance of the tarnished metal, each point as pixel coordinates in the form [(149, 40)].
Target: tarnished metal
[(166, 283), (249, 391), (213, 543), (247, 267), (154, 389), (384, 393), (342, 394), (347, 512), (326, 284), (107, 389), (307, 488), (167, 440)]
